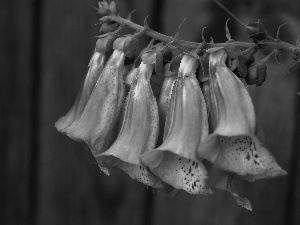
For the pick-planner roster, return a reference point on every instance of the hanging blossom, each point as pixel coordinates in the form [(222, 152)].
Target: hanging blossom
[(138, 133), (96, 66), (234, 144), (97, 125), (186, 126)]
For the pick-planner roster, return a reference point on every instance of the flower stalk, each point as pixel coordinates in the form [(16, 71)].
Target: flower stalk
[(188, 45)]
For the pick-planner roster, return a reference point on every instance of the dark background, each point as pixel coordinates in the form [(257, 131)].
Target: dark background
[(48, 179)]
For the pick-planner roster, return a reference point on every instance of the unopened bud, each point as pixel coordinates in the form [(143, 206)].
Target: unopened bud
[(103, 8), (257, 74), (256, 30), (245, 60), (113, 8), (108, 27)]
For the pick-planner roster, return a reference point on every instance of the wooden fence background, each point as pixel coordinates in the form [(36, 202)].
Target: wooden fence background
[(48, 179)]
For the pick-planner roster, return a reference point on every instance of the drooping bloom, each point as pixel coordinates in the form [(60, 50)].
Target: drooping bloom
[(98, 124), (234, 146), (218, 179), (96, 66), (186, 126), (138, 133)]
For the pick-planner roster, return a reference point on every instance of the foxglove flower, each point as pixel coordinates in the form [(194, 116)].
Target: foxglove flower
[(234, 146), (96, 66), (186, 126), (97, 126), (138, 133)]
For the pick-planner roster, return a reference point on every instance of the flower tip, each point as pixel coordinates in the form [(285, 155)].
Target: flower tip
[(282, 173), (58, 124), (207, 190), (272, 170), (63, 122), (277, 172), (104, 169)]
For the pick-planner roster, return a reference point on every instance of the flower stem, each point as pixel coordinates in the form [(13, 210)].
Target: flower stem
[(188, 46)]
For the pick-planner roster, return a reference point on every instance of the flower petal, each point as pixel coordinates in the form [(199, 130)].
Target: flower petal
[(245, 156)]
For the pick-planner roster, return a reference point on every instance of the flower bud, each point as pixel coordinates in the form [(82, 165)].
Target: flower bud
[(113, 8), (107, 27), (106, 9), (256, 30), (257, 73), (103, 8), (245, 60)]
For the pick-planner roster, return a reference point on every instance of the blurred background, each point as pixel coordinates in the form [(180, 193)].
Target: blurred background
[(48, 179)]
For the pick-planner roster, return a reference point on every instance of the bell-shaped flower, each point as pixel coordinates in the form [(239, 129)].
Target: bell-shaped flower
[(138, 133), (98, 124), (96, 66), (186, 126), (103, 49), (233, 145)]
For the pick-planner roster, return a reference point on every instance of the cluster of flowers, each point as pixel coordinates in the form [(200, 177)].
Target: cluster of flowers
[(203, 115)]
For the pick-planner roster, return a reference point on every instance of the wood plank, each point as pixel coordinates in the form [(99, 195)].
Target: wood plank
[(15, 110)]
